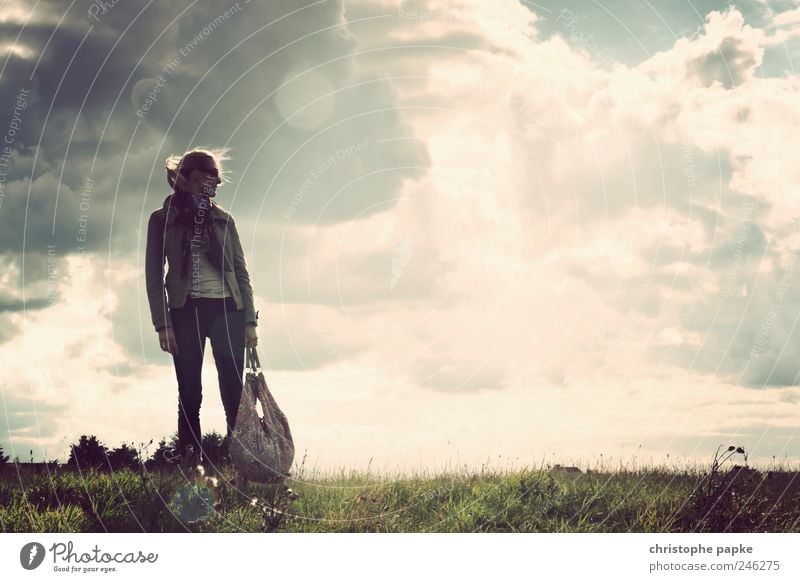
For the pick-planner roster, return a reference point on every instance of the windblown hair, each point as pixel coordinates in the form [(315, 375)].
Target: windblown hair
[(179, 167)]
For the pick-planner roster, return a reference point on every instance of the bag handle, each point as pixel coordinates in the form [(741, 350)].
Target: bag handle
[(251, 358)]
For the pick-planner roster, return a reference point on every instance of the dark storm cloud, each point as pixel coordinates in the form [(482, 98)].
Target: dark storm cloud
[(281, 86), (72, 78), (109, 94), (126, 84), (78, 70)]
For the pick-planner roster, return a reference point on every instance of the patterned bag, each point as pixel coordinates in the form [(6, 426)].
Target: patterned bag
[(261, 448)]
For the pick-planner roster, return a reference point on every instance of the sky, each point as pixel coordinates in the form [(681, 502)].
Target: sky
[(478, 233)]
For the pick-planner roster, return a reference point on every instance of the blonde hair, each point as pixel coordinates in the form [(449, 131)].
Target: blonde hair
[(179, 167)]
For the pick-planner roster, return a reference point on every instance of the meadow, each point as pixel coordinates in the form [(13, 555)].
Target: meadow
[(722, 497)]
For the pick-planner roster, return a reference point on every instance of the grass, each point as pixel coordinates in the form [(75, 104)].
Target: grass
[(524, 500)]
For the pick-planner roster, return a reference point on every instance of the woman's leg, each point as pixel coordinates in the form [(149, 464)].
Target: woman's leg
[(227, 343), (188, 325)]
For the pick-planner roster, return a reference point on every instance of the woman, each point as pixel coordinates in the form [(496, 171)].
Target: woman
[(207, 291)]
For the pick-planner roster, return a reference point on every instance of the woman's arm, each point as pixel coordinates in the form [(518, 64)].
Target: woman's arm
[(154, 273), (242, 276)]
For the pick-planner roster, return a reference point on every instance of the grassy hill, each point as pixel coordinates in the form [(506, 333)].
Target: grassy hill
[(44, 499)]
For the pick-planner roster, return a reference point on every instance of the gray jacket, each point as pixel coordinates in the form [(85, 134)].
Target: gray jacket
[(165, 241)]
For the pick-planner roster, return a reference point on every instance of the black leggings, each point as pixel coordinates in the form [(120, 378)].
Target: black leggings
[(219, 320)]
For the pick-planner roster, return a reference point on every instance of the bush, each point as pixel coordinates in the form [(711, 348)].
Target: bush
[(212, 443), (3, 459), (162, 457), (88, 453), (123, 457)]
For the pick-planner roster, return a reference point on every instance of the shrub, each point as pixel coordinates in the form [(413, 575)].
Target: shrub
[(3, 459), (123, 457), (88, 453), (162, 457)]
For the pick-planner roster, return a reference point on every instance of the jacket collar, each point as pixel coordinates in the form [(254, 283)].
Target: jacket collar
[(216, 212)]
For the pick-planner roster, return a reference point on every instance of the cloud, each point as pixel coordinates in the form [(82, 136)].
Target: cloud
[(309, 338), (728, 51), (458, 375), (238, 68), (765, 441), (15, 305), (32, 204), (314, 140), (498, 212), (27, 419), (85, 169), (660, 189), (403, 261), (730, 65)]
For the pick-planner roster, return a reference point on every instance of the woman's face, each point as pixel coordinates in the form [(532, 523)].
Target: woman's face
[(204, 182)]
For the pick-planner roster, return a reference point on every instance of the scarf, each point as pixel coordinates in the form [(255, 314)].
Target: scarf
[(194, 214)]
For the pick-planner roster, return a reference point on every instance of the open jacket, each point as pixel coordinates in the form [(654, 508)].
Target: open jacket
[(165, 241)]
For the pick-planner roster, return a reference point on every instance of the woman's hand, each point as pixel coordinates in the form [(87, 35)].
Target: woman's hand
[(250, 336), (166, 338)]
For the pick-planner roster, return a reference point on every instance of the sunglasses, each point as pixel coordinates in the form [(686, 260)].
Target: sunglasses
[(213, 171)]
